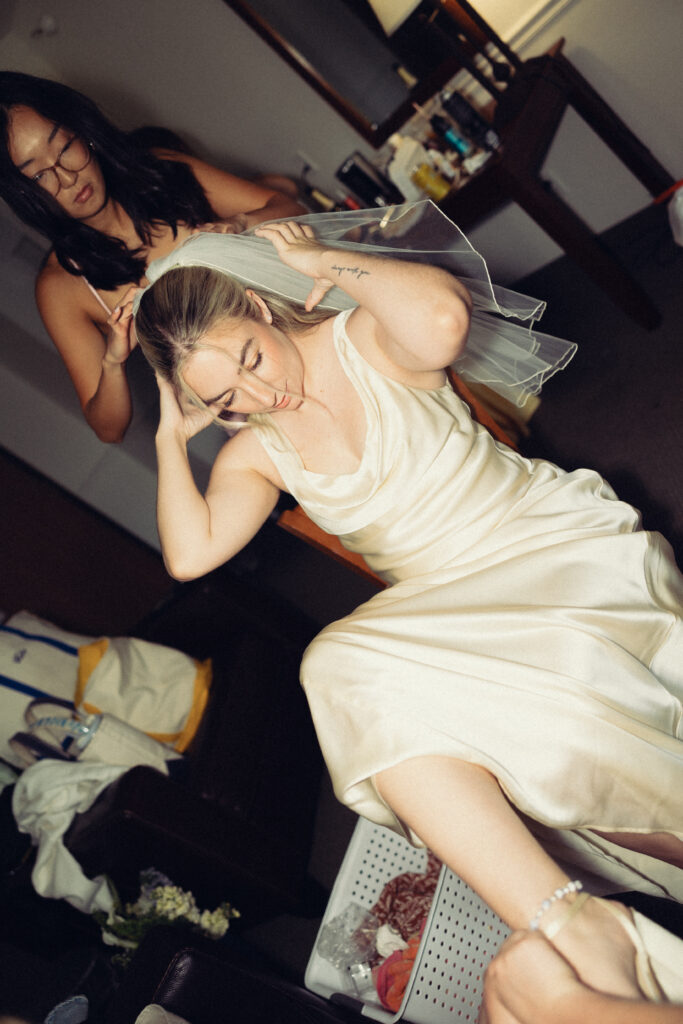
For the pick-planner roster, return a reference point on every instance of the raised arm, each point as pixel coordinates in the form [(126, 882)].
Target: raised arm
[(236, 201), (200, 532), (414, 316), (96, 363)]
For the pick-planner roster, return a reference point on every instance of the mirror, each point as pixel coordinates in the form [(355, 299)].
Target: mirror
[(370, 59)]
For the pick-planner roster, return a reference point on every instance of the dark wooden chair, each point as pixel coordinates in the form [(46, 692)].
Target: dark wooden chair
[(206, 983), (528, 99)]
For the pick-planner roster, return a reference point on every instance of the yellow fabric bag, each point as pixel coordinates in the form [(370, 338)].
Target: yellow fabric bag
[(160, 691)]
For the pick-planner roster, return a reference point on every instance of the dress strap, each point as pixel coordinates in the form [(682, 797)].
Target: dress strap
[(97, 295)]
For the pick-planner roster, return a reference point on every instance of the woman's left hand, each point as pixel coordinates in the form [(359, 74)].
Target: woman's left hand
[(297, 247), (177, 416)]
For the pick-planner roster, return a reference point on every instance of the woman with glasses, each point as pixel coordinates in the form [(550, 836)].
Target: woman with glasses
[(109, 205)]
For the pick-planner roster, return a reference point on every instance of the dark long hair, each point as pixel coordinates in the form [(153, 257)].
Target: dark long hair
[(150, 190)]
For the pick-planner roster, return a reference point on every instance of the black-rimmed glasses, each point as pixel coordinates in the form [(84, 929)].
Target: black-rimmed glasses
[(74, 157)]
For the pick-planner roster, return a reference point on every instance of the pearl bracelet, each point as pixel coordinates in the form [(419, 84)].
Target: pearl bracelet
[(559, 894)]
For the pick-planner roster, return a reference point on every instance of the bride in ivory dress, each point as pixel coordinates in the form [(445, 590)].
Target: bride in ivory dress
[(513, 698)]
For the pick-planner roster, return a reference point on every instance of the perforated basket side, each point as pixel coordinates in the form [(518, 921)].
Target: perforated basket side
[(373, 857), (384, 856), (461, 937)]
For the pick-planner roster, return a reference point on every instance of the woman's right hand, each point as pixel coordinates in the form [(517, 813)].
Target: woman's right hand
[(121, 337), (297, 247), (177, 416), (528, 982)]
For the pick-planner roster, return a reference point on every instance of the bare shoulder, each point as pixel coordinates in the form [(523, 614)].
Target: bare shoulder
[(244, 452), (51, 272), (227, 193), (174, 155), (75, 323), (362, 330), (56, 288), (370, 339), (200, 168)]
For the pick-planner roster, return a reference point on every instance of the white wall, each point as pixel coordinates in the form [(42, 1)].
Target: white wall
[(630, 52), (195, 67)]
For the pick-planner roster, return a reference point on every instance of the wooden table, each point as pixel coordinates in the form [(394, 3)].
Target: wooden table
[(527, 117)]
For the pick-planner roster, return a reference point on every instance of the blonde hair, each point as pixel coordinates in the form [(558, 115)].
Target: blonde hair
[(187, 303)]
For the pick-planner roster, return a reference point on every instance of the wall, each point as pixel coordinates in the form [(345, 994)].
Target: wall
[(194, 67), (199, 69), (630, 52)]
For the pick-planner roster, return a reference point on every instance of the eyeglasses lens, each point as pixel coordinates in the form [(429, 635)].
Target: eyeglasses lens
[(74, 157)]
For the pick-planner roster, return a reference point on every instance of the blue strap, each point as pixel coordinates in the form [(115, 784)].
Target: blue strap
[(31, 691), (59, 644)]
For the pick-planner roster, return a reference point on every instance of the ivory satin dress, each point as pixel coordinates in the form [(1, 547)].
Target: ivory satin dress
[(530, 626)]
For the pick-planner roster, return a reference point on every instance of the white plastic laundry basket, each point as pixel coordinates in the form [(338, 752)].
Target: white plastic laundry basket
[(461, 936)]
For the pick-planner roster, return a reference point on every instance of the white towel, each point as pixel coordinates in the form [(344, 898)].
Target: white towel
[(46, 797)]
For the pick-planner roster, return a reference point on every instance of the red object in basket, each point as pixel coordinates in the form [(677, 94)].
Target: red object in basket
[(393, 974), (405, 900)]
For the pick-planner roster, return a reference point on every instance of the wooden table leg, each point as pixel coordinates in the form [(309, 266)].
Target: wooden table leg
[(613, 132), (567, 229)]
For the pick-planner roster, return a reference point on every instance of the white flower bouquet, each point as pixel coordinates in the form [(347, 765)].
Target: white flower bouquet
[(160, 903)]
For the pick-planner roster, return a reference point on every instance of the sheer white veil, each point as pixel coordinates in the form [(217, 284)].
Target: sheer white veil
[(504, 351)]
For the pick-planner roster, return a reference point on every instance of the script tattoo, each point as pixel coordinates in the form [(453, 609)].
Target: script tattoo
[(354, 271)]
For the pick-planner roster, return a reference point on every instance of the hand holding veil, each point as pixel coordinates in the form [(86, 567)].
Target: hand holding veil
[(504, 351)]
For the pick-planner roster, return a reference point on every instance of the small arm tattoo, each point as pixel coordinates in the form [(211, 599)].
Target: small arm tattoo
[(354, 271)]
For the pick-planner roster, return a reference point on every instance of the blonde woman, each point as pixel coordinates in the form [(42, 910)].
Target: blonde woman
[(520, 678)]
